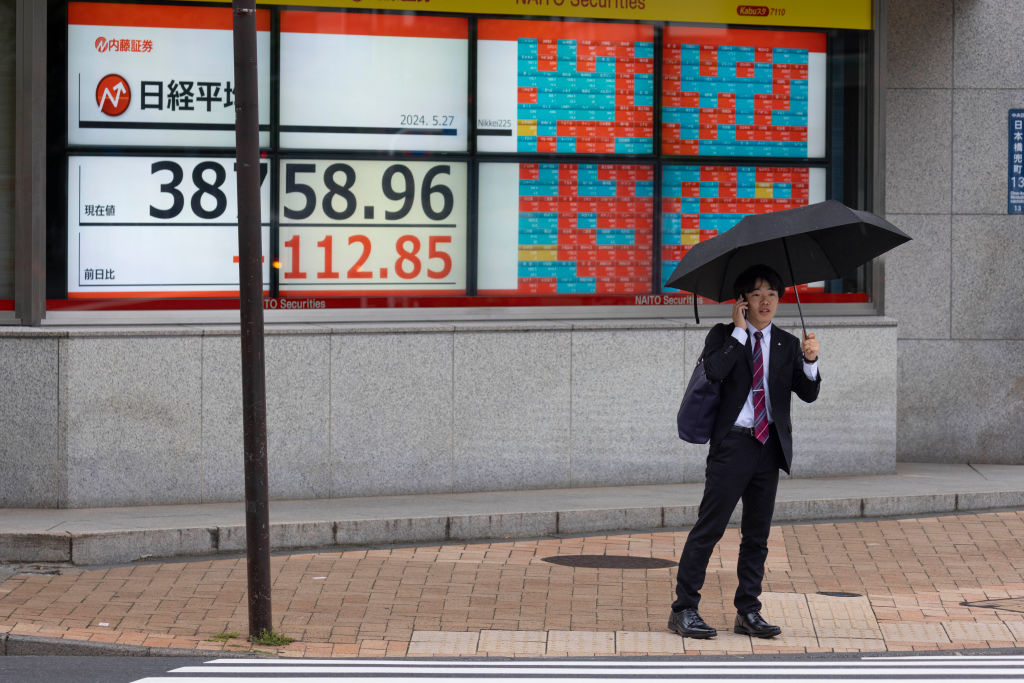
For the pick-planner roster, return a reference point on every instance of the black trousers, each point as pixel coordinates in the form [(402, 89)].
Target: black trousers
[(738, 468)]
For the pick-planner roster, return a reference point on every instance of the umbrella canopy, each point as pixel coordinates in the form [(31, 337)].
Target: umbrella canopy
[(820, 241)]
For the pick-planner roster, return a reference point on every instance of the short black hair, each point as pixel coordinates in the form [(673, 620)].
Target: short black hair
[(747, 280)]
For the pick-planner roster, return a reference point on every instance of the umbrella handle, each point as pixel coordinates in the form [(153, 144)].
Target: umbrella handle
[(792, 277), (696, 316), (801, 310)]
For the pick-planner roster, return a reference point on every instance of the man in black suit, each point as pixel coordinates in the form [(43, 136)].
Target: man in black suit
[(750, 441)]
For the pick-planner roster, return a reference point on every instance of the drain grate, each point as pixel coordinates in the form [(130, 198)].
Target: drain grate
[(1008, 604), (609, 561)]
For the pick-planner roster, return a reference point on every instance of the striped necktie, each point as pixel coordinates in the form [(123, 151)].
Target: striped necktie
[(760, 409)]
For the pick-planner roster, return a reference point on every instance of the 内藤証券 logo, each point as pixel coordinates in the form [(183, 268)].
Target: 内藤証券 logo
[(113, 95)]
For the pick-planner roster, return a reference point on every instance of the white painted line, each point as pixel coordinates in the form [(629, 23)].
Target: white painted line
[(630, 664), (563, 665), (865, 676), (946, 657), (704, 670)]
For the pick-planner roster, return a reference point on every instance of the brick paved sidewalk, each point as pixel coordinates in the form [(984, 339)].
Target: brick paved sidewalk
[(910, 577)]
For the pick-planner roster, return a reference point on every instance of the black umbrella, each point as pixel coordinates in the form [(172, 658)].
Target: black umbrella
[(820, 241)]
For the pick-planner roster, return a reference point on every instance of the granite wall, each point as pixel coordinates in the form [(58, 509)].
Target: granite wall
[(954, 71), (125, 416)]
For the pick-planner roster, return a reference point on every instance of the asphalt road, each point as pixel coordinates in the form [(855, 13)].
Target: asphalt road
[(1008, 666), (23, 669)]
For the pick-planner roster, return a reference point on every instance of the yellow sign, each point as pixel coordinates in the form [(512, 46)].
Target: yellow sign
[(854, 14)]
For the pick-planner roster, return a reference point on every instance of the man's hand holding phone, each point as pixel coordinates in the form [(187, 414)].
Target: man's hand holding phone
[(739, 313)]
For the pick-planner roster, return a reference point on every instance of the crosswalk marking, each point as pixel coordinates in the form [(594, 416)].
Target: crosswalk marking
[(877, 669), (752, 669), (947, 660), (999, 678)]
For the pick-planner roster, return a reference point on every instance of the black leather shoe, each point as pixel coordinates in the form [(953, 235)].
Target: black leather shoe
[(688, 624), (751, 624)]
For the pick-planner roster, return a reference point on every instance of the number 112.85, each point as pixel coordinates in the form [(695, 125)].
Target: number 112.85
[(365, 257)]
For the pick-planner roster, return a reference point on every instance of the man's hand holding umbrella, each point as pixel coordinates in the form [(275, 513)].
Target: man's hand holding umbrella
[(810, 347)]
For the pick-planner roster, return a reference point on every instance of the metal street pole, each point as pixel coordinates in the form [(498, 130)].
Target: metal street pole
[(250, 274)]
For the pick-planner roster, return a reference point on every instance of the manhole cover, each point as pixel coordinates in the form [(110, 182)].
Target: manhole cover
[(839, 594), (609, 561), (1008, 604)]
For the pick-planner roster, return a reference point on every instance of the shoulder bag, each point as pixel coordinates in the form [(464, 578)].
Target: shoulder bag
[(699, 407)]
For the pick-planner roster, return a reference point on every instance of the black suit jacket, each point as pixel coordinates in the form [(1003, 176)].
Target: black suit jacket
[(730, 362)]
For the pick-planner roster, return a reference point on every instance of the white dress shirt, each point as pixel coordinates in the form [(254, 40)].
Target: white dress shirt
[(746, 416)]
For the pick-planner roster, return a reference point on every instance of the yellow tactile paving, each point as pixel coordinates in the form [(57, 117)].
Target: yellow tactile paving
[(581, 643), (726, 641), (791, 612), (443, 643), (788, 639), (852, 644), (914, 633), (1016, 627), (513, 643), (837, 617), (648, 643), (963, 631)]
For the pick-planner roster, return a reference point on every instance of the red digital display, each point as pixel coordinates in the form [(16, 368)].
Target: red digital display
[(565, 87), (567, 228), (739, 92)]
